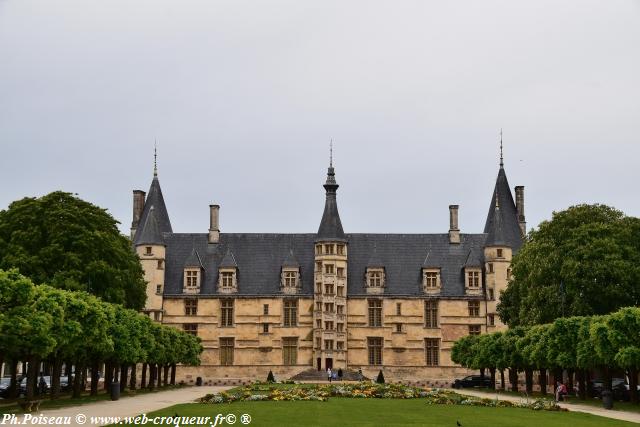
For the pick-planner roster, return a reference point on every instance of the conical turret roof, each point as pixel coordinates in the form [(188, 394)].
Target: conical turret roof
[(154, 201), (330, 226), (502, 226), (150, 233)]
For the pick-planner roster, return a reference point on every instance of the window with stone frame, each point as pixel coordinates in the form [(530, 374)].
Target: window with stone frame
[(432, 351), (329, 268), (340, 272), (328, 344), (431, 314), (475, 330), (226, 313), (491, 319), (290, 278), (374, 347), (375, 313), (191, 307), (191, 280), (375, 277), (226, 351), (160, 264), (290, 313), (431, 278), (147, 251), (339, 345), (290, 351), (473, 279), (265, 328), (340, 249), (328, 289), (340, 292), (474, 308), (339, 309), (398, 327), (265, 309), (156, 316), (398, 309), (190, 328), (339, 327), (227, 279), (491, 294), (328, 325), (499, 253), (158, 289), (328, 249)]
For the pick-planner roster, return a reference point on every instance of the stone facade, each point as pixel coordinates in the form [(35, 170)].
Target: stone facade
[(341, 301)]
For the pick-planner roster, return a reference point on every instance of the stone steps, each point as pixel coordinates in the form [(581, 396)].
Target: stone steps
[(315, 375)]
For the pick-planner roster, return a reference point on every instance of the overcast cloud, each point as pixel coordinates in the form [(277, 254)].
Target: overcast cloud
[(244, 96)]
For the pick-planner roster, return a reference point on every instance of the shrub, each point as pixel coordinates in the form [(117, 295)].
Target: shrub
[(270, 378), (380, 379)]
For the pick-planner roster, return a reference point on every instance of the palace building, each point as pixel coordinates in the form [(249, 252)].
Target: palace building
[(299, 302)]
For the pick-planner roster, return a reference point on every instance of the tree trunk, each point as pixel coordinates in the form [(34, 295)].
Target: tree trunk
[(513, 379), (95, 374), (132, 382), (492, 371), (158, 375), (143, 380), (173, 374), (108, 375), (152, 375), (557, 377), (32, 377), (633, 385), (587, 375), (528, 378), (582, 384), (55, 378), (166, 375), (482, 373), (502, 383), (68, 367), (570, 389), (77, 382), (124, 371), (542, 380), (606, 380), (13, 385)]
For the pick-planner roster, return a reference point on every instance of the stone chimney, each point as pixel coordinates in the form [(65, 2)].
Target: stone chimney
[(214, 223), (520, 209), (138, 207), (454, 231)]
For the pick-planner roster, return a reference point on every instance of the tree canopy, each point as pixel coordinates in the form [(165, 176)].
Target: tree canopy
[(584, 261), (71, 244)]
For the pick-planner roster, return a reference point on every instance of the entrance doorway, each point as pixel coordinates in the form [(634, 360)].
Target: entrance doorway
[(328, 362), (319, 364)]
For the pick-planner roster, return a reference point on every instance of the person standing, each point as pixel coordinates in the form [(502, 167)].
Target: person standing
[(339, 374), (329, 374)]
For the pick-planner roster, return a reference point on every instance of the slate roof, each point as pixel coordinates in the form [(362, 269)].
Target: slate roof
[(290, 260), (156, 201), (502, 220), (194, 260), (150, 233), (259, 260), (330, 224)]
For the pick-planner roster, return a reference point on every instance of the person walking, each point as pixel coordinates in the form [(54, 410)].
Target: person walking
[(329, 374)]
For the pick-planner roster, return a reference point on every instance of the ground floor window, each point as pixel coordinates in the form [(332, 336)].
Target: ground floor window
[(374, 345), (290, 351), (226, 351), (432, 351), (190, 328)]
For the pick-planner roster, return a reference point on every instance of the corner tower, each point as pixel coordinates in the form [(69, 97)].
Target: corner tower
[(504, 237), (151, 221), (330, 287)]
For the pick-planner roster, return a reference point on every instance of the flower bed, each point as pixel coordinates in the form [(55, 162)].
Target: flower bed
[(445, 397), (317, 392), (364, 390)]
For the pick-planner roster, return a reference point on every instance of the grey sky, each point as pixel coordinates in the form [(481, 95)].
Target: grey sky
[(243, 97)]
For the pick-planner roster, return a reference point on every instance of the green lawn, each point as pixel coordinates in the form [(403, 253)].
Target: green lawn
[(617, 405), (345, 412)]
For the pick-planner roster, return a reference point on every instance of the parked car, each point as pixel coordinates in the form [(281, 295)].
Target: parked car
[(619, 387), (472, 381), (4, 387)]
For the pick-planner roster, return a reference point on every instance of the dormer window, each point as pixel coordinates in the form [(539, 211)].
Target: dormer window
[(431, 280), (375, 279), (191, 280), (473, 280), (227, 281), (290, 280)]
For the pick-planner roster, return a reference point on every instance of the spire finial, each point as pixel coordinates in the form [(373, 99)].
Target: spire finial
[(501, 157), (331, 153), (155, 158)]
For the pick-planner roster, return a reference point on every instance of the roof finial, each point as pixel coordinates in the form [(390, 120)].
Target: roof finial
[(501, 157), (155, 158), (331, 153)]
